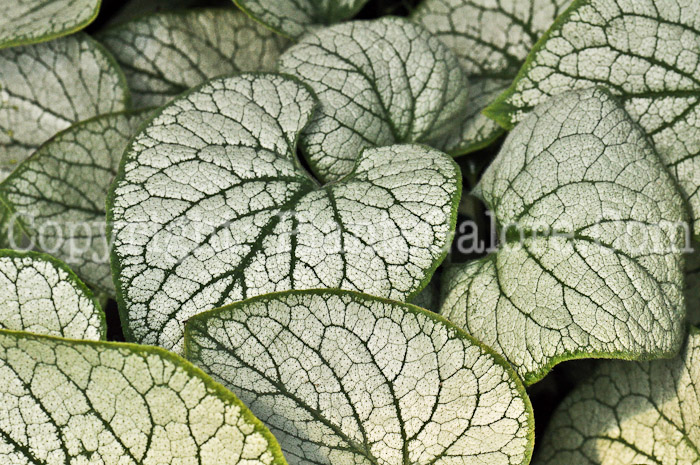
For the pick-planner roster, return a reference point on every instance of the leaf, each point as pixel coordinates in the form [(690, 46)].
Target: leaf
[(692, 285), (58, 194), (379, 83), (644, 52), (491, 39), (631, 413), (30, 21), (164, 54), (134, 9), (100, 402), (342, 377), (42, 295), (292, 18), (598, 270), (211, 206), (45, 88)]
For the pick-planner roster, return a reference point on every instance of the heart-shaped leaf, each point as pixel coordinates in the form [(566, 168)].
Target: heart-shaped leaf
[(211, 206), (646, 53), (342, 377), (491, 39), (47, 87), (592, 228), (58, 194), (379, 83), (42, 295), (292, 18), (640, 413), (30, 21), (82, 402), (164, 54)]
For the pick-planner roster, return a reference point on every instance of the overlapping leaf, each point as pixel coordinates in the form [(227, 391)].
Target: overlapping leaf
[(42, 295), (293, 18), (641, 413), (166, 53), (58, 195), (342, 377), (592, 229), (30, 21), (379, 83), (47, 87), (96, 402), (646, 52), (491, 39), (211, 207)]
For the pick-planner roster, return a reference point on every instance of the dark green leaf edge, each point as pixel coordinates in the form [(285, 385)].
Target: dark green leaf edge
[(533, 377), (54, 35)]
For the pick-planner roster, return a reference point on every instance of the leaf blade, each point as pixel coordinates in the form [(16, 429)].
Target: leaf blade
[(58, 194), (369, 356), (631, 413), (164, 54), (32, 21), (43, 296), (120, 403), (41, 100), (606, 39), (555, 285), (379, 83), (256, 222), (491, 40), (292, 18)]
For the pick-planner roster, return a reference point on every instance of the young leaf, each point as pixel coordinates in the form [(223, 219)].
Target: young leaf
[(99, 402), (591, 225), (631, 413), (491, 39), (211, 206), (342, 377), (379, 83), (42, 295), (26, 22), (644, 52), (47, 87), (292, 18), (164, 54), (58, 194)]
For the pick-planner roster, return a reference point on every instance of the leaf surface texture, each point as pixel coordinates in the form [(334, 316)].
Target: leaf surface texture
[(641, 413), (41, 295), (591, 225), (73, 402), (45, 88), (342, 377), (212, 206)]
